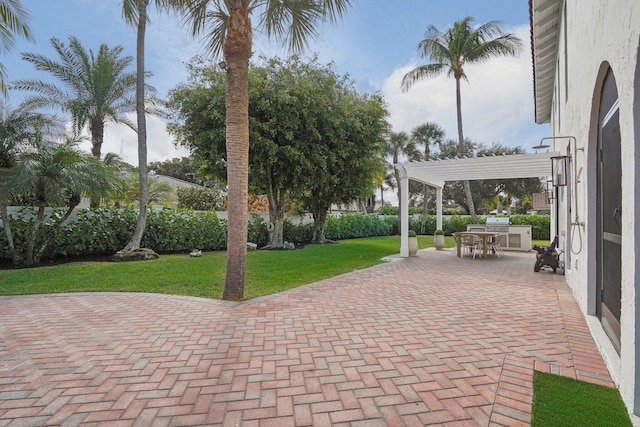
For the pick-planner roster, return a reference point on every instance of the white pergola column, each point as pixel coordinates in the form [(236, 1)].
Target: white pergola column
[(438, 208), (404, 211)]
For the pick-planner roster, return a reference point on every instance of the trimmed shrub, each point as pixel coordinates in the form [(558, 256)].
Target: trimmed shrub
[(199, 199)]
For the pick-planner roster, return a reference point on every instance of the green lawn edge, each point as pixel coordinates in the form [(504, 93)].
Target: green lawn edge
[(561, 401)]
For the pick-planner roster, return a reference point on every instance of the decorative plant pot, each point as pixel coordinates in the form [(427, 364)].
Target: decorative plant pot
[(438, 241), (413, 246)]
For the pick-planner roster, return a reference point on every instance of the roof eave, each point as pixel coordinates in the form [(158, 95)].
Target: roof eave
[(544, 17)]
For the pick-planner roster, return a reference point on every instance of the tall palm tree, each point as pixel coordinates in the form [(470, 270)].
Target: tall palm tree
[(229, 32), (13, 21), (95, 87), (20, 130), (452, 50), (135, 14), (426, 135), (398, 145)]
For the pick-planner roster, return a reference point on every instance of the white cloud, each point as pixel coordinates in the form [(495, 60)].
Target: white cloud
[(121, 140)]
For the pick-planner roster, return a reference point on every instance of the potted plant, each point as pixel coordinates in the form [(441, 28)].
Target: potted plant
[(413, 243), (438, 240)]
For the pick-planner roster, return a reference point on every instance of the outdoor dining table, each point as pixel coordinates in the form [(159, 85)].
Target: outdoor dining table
[(484, 235)]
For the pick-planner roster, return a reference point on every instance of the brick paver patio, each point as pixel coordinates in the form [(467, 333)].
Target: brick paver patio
[(431, 340)]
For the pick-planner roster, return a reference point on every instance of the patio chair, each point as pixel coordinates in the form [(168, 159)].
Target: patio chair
[(495, 246), (471, 245)]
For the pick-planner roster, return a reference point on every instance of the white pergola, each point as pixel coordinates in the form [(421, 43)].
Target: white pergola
[(437, 172)]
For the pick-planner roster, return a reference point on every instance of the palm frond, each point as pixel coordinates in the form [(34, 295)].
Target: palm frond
[(421, 72)]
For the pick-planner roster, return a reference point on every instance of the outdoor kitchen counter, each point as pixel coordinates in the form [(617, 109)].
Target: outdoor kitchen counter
[(513, 237)]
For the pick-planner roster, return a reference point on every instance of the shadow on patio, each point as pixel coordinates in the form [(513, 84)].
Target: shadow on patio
[(427, 340)]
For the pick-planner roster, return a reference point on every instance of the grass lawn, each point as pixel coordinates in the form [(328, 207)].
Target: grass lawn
[(561, 401), (267, 272)]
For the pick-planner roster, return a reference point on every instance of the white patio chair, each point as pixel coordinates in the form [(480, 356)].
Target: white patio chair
[(471, 245), (494, 243)]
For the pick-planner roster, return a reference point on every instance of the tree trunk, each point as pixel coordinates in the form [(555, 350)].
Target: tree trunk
[(141, 223), (461, 150), (319, 218), (97, 138), (425, 208), (72, 205), (4, 215), (277, 199), (34, 234), (237, 51)]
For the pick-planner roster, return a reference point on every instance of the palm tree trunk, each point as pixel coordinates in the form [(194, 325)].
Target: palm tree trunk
[(97, 138), (4, 215), (56, 226), (462, 151), (237, 51), (34, 235), (141, 223), (397, 175), (425, 208)]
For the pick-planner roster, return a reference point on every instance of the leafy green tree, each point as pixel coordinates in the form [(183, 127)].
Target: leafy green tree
[(343, 152), (20, 130), (135, 14), (57, 175), (229, 32), (452, 50), (13, 21), (426, 135), (300, 115)]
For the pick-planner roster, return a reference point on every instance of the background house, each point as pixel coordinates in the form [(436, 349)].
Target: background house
[(586, 80)]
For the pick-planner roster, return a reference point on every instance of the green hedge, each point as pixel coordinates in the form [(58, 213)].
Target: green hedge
[(540, 224), (105, 231)]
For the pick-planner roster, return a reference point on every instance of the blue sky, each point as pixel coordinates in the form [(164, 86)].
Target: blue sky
[(375, 44)]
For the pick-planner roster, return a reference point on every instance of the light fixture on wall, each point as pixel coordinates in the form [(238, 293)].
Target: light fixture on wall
[(550, 192), (559, 170)]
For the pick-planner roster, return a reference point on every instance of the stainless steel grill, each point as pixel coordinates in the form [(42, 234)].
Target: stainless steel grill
[(497, 225)]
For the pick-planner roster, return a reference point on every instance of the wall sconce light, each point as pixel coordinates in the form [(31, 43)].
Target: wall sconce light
[(550, 192), (222, 65), (559, 170)]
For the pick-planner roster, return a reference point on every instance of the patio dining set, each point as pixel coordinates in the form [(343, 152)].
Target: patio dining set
[(481, 240)]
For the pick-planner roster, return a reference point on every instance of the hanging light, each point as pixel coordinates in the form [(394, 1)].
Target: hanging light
[(559, 170), (549, 192)]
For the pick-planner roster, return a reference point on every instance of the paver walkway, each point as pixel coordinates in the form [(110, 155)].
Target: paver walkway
[(431, 340)]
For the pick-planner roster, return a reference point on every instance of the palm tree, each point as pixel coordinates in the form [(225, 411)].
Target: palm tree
[(13, 21), (399, 144), (452, 50), (228, 30), (135, 14), (58, 175), (426, 134), (96, 88), (20, 130)]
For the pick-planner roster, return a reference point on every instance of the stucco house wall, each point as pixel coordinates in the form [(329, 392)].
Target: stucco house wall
[(593, 35)]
